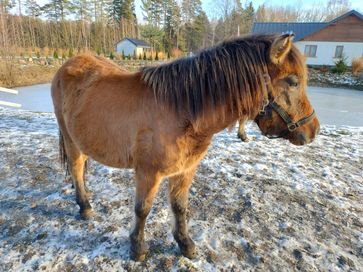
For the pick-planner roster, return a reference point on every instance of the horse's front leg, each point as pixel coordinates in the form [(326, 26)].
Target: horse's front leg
[(179, 191), (147, 186), (241, 130)]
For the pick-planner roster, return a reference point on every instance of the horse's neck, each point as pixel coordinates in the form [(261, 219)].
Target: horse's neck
[(215, 120)]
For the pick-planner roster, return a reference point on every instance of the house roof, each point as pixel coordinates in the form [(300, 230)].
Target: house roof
[(137, 42), (301, 30)]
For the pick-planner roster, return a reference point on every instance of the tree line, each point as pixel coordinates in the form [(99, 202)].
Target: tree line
[(171, 26)]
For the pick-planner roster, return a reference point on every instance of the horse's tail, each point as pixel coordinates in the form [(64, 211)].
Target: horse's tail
[(64, 158), (63, 154)]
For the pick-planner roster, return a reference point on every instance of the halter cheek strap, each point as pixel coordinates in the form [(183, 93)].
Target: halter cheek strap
[(291, 125), (270, 102)]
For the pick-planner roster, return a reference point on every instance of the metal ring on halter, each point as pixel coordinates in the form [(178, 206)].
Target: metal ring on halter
[(262, 110)]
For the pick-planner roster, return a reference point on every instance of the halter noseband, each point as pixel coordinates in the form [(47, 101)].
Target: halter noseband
[(269, 102)]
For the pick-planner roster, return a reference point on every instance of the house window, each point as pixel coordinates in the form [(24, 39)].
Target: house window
[(310, 51), (339, 51)]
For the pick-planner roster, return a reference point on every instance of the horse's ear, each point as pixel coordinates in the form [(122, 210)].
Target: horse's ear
[(280, 48)]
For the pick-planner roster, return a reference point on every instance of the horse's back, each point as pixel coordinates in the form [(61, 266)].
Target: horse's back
[(92, 98)]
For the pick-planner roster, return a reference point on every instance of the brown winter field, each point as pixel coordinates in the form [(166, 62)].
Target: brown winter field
[(15, 74)]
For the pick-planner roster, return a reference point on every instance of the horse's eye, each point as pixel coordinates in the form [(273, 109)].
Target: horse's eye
[(292, 80)]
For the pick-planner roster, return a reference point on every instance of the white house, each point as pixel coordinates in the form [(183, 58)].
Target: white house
[(132, 46), (323, 43)]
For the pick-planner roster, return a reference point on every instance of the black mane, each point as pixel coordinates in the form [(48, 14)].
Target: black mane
[(231, 73)]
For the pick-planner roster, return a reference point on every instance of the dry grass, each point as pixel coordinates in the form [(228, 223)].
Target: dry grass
[(13, 74), (357, 65)]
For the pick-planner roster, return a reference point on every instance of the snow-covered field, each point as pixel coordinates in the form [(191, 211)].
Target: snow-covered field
[(264, 205)]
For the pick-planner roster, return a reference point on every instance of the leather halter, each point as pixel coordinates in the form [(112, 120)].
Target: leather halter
[(269, 102)]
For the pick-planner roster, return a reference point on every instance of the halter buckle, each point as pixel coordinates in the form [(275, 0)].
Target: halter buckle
[(262, 110), (292, 126)]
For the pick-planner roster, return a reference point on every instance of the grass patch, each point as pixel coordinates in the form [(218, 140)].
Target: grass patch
[(13, 74)]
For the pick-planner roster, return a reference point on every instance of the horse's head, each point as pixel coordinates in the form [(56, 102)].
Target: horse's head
[(286, 111)]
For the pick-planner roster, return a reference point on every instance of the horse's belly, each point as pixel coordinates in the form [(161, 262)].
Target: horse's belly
[(104, 145)]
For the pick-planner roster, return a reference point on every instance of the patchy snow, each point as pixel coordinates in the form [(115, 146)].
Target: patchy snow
[(264, 205), (317, 77)]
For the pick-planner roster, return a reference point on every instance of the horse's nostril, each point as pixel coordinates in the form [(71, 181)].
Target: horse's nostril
[(302, 138)]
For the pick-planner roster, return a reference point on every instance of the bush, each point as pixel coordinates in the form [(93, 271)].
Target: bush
[(340, 66), (324, 69), (157, 55), (144, 58), (111, 56), (70, 53), (55, 54), (357, 65)]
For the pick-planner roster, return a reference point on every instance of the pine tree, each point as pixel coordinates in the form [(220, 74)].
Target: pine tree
[(56, 10), (32, 8), (172, 21), (192, 30)]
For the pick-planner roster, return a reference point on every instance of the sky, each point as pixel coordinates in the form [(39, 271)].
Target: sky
[(210, 5)]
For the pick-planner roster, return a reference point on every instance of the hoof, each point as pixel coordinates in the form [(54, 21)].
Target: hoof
[(187, 247), (138, 249), (243, 138), (87, 214), (137, 257), (188, 251)]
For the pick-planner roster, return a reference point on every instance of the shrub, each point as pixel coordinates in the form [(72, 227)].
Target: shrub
[(340, 66), (357, 65), (156, 55), (176, 53), (55, 54), (144, 58), (324, 69), (38, 54), (70, 52), (111, 56)]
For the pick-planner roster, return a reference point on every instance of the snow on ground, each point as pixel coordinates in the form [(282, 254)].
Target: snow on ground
[(264, 205)]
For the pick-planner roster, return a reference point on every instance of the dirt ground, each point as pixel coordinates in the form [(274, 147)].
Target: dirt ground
[(258, 206)]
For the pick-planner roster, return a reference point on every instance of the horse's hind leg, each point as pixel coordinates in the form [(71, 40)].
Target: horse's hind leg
[(147, 186), (76, 165), (178, 192), (241, 130)]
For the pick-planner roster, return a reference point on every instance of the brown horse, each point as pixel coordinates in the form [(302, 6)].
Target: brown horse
[(160, 120)]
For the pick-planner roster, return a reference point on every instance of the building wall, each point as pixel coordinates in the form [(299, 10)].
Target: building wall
[(127, 46), (325, 51), (139, 51), (348, 29)]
